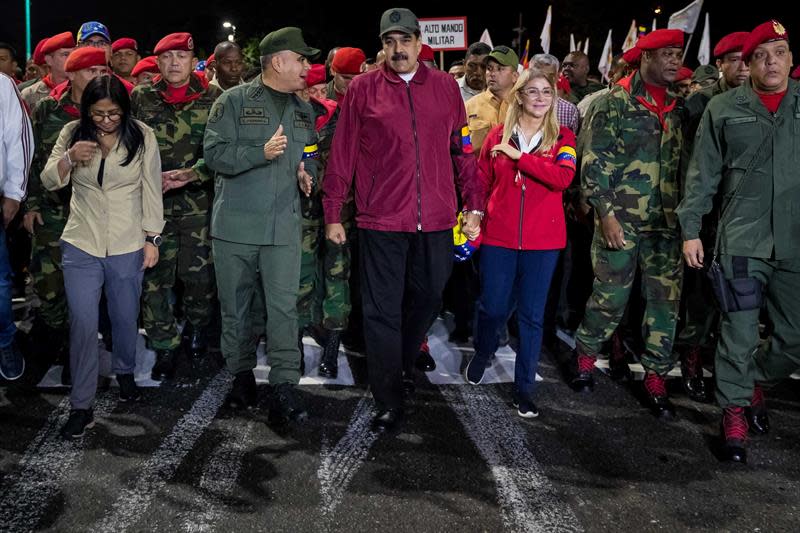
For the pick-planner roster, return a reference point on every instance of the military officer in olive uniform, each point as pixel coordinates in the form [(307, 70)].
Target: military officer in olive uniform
[(261, 141), (747, 149)]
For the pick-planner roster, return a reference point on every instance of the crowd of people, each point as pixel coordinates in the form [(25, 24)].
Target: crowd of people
[(648, 216)]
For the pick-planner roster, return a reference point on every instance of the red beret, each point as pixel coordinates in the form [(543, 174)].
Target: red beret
[(57, 42), (769, 31), (38, 56), (661, 39), (316, 75), (148, 64), (795, 75), (732, 42), (683, 73), (85, 57), (426, 54), (210, 59), (126, 43), (348, 60), (175, 41), (632, 56)]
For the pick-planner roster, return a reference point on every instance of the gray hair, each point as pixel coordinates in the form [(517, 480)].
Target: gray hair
[(265, 60), (546, 59)]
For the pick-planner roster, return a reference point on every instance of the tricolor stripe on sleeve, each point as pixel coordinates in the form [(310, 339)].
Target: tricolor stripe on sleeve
[(566, 157)]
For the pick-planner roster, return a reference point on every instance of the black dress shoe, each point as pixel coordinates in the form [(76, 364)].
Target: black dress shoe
[(198, 344), (692, 375), (425, 362), (301, 348), (164, 368), (329, 364), (286, 405), (387, 419), (734, 452), (409, 387), (128, 390), (243, 392)]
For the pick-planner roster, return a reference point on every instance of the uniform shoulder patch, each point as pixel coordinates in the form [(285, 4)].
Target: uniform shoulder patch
[(216, 112)]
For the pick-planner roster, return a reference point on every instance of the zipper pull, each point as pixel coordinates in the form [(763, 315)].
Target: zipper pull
[(419, 226)]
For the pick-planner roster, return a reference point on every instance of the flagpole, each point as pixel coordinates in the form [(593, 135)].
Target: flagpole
[(688, 41)]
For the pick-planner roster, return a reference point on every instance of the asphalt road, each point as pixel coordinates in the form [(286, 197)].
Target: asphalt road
[(464, 461)]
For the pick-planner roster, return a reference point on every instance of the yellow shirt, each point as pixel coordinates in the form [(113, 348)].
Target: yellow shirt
[(484, 112), (111, 219)]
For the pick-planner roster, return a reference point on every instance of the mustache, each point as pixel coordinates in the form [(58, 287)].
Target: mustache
[(399, 56)]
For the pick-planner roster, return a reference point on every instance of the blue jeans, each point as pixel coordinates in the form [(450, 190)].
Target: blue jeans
[(508, 275), (7, 327)]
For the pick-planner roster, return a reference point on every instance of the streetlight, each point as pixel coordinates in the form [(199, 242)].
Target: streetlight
[(228, 26)]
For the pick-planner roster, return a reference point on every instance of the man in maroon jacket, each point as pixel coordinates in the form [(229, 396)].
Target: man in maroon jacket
[(402, 131)]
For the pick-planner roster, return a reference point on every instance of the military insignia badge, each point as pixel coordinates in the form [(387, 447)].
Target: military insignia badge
[(216, 112), (394, 17), (778, 28)]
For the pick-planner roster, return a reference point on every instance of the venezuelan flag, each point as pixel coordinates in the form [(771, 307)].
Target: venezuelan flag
[(525, 59), (566, 157), (311, 152), (466, 140)]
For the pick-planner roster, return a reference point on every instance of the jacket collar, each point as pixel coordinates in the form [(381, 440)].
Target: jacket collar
[(790, 104), (419, 77)]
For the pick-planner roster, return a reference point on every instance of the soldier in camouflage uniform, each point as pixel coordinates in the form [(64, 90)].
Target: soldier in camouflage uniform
[(176, 107), (324, 296), (47, 213), (629, 175), (700, 316)]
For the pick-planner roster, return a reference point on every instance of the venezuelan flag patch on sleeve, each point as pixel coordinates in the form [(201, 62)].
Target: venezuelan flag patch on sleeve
[(466, 140), (566, 157), (311, 152)]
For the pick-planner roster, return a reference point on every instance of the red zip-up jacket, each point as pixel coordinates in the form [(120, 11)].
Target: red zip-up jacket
[(401, 142), (525, 209)]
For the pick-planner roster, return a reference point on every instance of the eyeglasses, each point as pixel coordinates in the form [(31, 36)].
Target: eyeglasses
[(113, 116), (535, 93)]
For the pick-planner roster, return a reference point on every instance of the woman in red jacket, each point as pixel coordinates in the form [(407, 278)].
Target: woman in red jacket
[(525, 167)]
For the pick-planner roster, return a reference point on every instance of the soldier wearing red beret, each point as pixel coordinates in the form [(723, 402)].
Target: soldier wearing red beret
[(315, 81), (683, 82), (124, 56), (55, 51), (700, 316), (427, 57), (35, 68), (635, 130), (746, 147), (347, 64), (145, 70), (176, 105)]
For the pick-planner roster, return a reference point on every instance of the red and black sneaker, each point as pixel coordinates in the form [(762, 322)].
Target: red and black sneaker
[(757, 415), (734, 434), (655, 387), (583, 381), (692, 374)]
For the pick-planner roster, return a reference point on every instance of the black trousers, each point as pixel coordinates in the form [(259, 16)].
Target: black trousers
[(402, 279)]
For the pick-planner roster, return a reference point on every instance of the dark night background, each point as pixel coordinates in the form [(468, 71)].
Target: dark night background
[(338, 23)]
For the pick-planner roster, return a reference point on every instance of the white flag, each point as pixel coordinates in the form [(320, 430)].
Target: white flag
[(606, 57), (545, 36), (586, 47), (654, 24), (578, 46), (572, 46), (704, 54), (486, 39), (631, 38), (686, 19)]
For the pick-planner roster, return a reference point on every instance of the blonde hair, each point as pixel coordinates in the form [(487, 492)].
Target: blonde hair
[(550, 127)]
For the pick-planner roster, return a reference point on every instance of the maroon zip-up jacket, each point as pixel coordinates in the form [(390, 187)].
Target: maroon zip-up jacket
[(402, 143)]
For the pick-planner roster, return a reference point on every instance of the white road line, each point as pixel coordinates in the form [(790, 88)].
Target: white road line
[(218, 481), (339, 464), (47, 461), (162, 465), (528, 501)]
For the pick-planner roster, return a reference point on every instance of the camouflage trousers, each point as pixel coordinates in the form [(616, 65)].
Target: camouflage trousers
[(185, 255), (324, 296), (48, 278), (658, 256)]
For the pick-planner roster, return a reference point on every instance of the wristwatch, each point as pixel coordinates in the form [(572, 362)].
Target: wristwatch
[(474, 212), (155, 240)]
